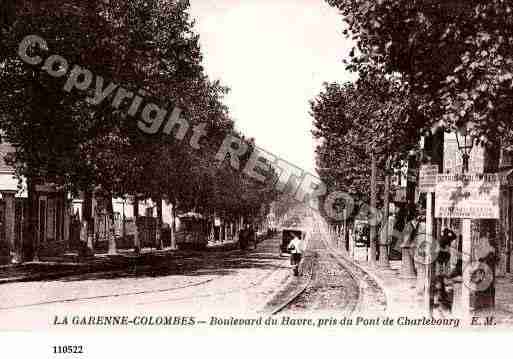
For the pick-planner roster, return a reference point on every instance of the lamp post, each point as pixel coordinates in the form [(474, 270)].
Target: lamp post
[(465, 143)]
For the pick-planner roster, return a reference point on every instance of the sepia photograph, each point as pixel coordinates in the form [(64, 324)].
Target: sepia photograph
[(255, 166)]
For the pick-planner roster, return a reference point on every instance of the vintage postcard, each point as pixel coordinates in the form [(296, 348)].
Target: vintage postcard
[(313, 165)]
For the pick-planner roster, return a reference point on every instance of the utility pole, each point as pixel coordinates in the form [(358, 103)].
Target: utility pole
[(466, 249), (383, 249), (372, 239), (158, 232), (345, 235), (428, 257), (137, 239)]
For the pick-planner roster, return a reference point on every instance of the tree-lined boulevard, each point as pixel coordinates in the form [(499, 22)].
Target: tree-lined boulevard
[(108, 103), (97, 149)]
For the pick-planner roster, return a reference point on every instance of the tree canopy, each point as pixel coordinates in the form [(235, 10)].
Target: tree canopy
[(455, 57), (64, 137), (353, 121)]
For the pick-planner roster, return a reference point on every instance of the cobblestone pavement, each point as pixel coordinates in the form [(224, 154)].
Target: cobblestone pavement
[(214, 282)]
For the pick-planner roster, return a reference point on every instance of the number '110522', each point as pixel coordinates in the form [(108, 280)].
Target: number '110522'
[(68, 349)]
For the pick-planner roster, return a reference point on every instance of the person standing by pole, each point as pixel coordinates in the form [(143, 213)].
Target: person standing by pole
[(408, 247)]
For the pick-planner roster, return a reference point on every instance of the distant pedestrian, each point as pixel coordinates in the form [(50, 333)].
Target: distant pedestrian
[(243, 238), (296, 249), (484, 250), (254, 236)]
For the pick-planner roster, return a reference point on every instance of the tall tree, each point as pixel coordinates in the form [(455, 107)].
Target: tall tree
[(455, 57), (363, 128), (61, 137)]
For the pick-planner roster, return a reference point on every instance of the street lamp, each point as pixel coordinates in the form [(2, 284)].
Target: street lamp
[(465, 143)]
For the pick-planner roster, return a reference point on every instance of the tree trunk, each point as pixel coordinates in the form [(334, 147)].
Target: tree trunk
[(173, 225), (123, 224), (158, 233), (373, 204), (30, 240), (87, 211), (112, 236), (222, 231), (346, 234), (137, 242), (383, 252), (237, 228), (9, 225)]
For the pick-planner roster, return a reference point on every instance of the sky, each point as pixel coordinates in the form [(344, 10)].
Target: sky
[(274, 55)]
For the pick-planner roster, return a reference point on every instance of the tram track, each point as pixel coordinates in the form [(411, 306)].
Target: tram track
[(301, 288), (372, 297), (116, 295), (158, 291), (333, 284)]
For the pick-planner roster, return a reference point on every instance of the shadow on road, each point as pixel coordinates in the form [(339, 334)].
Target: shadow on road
[(154, 265)]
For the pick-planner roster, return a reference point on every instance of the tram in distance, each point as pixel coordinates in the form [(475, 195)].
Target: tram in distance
[(192, 231), (290, 229)]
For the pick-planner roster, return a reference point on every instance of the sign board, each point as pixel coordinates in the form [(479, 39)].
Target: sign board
[(361, 233), (46, 188), (474, 196), (427, 178)]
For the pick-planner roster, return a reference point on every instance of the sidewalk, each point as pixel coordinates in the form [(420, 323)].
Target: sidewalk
[(403, 299), (401, 294)]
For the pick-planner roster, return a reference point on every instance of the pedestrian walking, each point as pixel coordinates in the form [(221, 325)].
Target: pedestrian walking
[(243, 238), (408, 247), (252, 236), (296, 249)]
